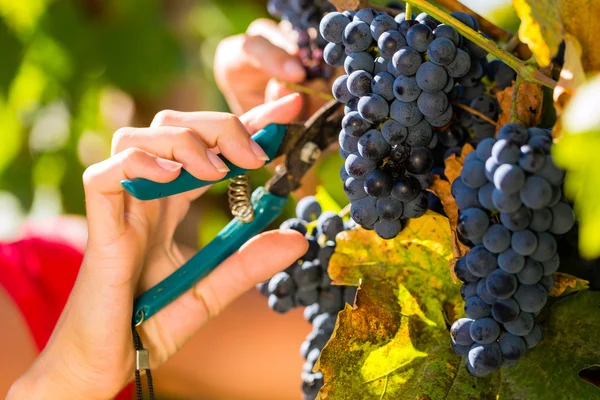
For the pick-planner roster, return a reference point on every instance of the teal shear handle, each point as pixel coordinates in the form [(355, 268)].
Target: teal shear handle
[(267, 207), (269, 138)]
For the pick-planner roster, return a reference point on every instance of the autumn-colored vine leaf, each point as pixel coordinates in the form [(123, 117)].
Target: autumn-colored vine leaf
[(529, 104), (565, 284), (343, 5), (454, 163)]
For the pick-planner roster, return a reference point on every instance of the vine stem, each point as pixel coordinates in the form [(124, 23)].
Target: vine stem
[(529, 72), (514, 115), (475, 112), (345, 211), (307, 90)]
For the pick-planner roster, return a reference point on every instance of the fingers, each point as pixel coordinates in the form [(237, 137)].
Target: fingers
[(282, 111), (174, 143), (104, 193), (275, 61), (270, 30), (221, 130)]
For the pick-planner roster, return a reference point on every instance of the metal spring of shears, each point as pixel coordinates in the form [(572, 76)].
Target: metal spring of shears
[(239, 193)]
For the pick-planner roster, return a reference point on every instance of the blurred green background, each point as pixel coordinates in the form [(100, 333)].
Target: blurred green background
[(73, 71)]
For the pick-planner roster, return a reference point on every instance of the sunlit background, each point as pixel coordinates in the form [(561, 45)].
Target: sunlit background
[(72, 72)]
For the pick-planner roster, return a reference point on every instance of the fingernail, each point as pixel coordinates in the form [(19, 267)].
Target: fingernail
[(294, 69), (217, 162), (168, 165), (258, 151)]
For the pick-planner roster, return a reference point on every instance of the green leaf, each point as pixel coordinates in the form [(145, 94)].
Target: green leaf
[(12, 53), (395, 344), (326, 201), (577, 153)]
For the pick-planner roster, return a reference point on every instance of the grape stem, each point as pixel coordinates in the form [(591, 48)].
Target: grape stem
[(512, 44), (344, 211), (475, 112), (530, 73), (307, 90), (408, 12)]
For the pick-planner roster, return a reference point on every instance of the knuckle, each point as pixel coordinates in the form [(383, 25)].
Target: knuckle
[(89, 176), (119, 137), (164, 117)]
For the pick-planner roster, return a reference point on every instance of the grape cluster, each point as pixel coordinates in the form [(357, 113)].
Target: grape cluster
[(304, 16), (511, 208), (399, 74), (307, 283)]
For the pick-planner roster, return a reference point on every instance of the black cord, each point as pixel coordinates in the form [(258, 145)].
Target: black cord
[(139, 346)]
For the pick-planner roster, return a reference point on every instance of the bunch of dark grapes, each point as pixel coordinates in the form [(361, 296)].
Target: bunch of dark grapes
[(399, 76), (511, 208), (307, 283), (304, 16)]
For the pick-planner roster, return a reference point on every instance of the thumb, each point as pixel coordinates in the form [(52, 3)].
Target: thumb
[(282, 111)]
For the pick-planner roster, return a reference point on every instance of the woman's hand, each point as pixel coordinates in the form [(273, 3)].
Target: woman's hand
[(252, 68), (130, 249)]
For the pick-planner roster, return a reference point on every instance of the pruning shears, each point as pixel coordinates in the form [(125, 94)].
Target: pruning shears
[(301, 143)]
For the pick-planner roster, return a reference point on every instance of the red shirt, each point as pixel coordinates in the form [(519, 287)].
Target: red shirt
[(39, 274)]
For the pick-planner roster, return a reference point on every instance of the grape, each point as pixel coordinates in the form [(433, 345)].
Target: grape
[(334, 54), (313, 249), (505, 310), (484, 359), (357, 36), (358, 61), (311, 384), (364, 211), (372, 145), (406, 88), (460, 65), (340, 89), (431, 77), (531, 273), (531, 159), (441, 120), (448, 32), (562, 218), (281, 285), (330, 224), (389, 209), (518, 220), (524, 242), (406, 189), (428, 20), (501, 284), (354, 125), (541, 220), (466, 19), (383, 85), (467, 95), (513, 347), (394, 132), (520, 326), (354, 188), (407, 114), (281, 305), (468, 290), (497, 238), (405, 25), (484, 148), (310, 312), (533, 337), (373, 108), (441, 51), (485, 196), (483, 130), (381, 65), (389, 43), (420, 160), (502, 74), (308, 209), (359, 167), (465, 196), (531, 298), (388, 229), (325, 253), (536, 193), (382, 23), (484, 293), (511, 261), (546, 247), (365, 15), (491, 165), (551, 173), (509, 178), (542, 143), (505, 151), (473, 174), (295, 224), (418, 37), (351, 106), (473, 75), (480, 262), (378, 184), (419, 135), (460, 331), (308, 275), (484, 330), (359, 83), (433, 144), (551, 265), (547, 282), (348, 143), (330, 300), (476, 308), (462, 272), (424, 179), (416, 207), (449, 86), (332, 27), (473, 222), (432, 104), (406, 61), (506, 203)]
